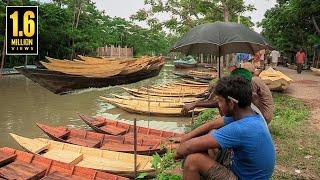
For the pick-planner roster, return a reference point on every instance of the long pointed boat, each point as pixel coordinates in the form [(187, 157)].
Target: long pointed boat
[(145, 146), (193, 82), (103, 125), (157, 99), (61, 83), (116, 101), (15, 164), (166, 94), (102, 160)]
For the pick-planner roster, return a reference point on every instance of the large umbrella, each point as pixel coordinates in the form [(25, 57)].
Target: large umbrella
[(219, 39)]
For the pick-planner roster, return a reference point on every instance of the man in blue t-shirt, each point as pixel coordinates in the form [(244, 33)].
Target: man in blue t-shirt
[(242, 130)]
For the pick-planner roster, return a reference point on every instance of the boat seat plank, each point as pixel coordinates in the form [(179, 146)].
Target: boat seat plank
[(113, 130), (84, 142), (64, 156), (5, 158), (123, 147), (97, 122), (61, 133), (59, 176), (21, 170), (107, 164)]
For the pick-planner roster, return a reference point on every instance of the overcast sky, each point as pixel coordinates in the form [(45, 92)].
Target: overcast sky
[(125, 8)]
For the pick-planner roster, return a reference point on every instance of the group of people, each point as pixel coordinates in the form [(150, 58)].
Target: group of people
[(238, 145)]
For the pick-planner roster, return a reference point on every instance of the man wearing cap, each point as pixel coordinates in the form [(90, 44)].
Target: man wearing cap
[(242, 130), (261, 95)]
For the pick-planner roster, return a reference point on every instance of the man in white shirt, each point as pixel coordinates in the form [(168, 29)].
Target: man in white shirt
[(274, 58)]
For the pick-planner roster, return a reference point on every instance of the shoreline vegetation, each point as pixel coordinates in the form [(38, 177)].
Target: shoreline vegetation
[(295, 140)]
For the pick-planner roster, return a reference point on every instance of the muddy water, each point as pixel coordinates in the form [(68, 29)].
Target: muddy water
[(23, 103)]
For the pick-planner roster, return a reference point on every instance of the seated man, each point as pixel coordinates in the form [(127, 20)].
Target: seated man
[(262, 97), (242, 130)]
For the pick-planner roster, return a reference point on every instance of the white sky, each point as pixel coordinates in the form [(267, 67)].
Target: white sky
[(125, 8)]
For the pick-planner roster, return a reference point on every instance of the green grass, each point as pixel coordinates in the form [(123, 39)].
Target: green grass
[(295, 139)]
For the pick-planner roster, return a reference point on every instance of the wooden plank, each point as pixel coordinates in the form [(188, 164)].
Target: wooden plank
[(84, 142), (65, 156), (113, 130), (6, 158), (59, 176), (21, 170)]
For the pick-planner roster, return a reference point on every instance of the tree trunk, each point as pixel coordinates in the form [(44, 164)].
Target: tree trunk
[(3, 48), (315, 25), (225, 11)]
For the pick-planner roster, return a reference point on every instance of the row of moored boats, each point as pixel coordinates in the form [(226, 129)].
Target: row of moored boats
[(73, 153)]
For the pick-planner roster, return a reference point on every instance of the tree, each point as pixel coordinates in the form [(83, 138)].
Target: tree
[(292, 24), (185, 14)]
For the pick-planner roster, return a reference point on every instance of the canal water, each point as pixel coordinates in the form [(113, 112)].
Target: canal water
[(23, 103)]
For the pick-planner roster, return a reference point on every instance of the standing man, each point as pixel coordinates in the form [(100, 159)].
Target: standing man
[(274, 58), (300, 57), (262, 59)]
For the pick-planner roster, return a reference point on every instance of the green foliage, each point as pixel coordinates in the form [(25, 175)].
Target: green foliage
[(189, 13), (74, 27), (165, 163), (289, 26), (205, 116)]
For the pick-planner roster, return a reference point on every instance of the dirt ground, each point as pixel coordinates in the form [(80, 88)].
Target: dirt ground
[(305, 86)]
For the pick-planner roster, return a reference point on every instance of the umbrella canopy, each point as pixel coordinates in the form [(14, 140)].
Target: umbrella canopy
[(220, 38)]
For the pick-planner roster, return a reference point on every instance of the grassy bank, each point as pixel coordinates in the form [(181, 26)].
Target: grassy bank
[(297, 142)]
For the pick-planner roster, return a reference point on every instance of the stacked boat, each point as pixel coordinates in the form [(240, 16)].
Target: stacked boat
[(163, 100), (275, 80), (81, 154), (62, 76), (315, 71)]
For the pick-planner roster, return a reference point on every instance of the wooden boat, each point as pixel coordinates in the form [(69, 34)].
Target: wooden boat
[(174, 90), (154, 110), (15, 164), (275, 80), (103, 141), (164, 94), (200, 73), (103, 125), (116, 101), (78, 64), (193, 82), (157, 98), (108, 161), (187, 63), (192, 76), (61, 83), (184, 66), (315, 71), (87, 71), (92, 60), (203, 86)]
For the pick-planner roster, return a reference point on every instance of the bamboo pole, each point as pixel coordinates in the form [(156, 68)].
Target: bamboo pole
[(135, 146)]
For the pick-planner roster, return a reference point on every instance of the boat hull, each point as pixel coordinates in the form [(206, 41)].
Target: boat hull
[(60, 83)]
